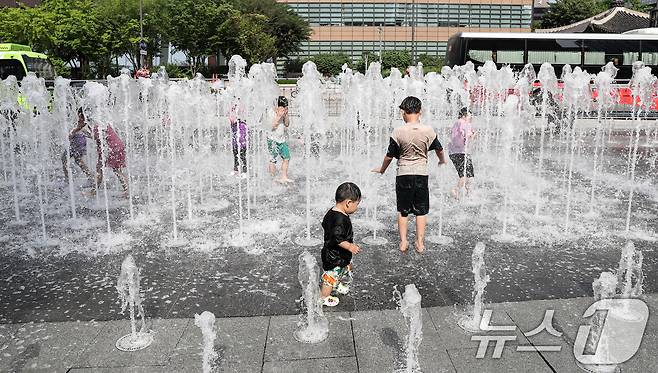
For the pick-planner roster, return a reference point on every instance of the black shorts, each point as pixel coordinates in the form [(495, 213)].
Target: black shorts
[(412, 194), (458, 161)]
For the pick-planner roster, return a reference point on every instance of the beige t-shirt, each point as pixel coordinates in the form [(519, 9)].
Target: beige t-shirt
[(410, 144)]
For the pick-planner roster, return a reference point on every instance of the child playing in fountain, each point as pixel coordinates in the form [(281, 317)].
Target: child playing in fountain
[(112, 150), (277, 140), (339, 244), (461, 134), (410, 144), (236, 117), (77, 148)]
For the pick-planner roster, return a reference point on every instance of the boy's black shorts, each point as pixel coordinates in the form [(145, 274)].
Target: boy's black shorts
[(458, 161), (412, 194)]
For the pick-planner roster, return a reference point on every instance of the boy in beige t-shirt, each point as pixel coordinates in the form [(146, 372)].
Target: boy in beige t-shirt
[(410, 144)]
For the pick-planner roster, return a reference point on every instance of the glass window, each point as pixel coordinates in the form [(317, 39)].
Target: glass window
[(41, 66), (625, 52), (11, 67), (650, 52)]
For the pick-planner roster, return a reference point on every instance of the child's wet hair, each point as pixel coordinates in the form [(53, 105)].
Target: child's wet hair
[(463, 112), (411, 105), (347, 191), (282, 101)]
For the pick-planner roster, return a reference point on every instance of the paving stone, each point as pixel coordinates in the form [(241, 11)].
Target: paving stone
[(282, 345), (47, 347), (103, 352), (240, 344), (340, 364), (193, 364), (6, 331), (511, 361), (133, 369), (452, 336), (380, 337)]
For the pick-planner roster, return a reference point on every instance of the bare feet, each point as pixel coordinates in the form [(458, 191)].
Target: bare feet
[(89, 193), (420, 247), (404, 245), (285, 180), (454, 193)]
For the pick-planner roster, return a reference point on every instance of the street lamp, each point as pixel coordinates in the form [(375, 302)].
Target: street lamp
[(381, 31), (142, 44)]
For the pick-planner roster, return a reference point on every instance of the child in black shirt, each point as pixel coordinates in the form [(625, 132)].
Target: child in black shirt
[(339, 244)]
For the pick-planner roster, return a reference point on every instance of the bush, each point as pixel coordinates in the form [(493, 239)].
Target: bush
[(294, 65), (399, 59), (360, 64), (330, 64), (175, 71), (428, 61)]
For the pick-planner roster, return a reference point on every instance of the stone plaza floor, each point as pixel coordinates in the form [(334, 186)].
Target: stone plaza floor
[(361, 341)]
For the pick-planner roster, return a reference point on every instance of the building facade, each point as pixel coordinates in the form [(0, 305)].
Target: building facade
[(357, 27)]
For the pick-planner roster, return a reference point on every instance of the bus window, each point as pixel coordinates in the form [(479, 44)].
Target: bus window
[(560, 52), (599, 52), (11, 67), (40, 66), (501, 51), (480, 56), (554, 57), (650, 52), (515, 57)]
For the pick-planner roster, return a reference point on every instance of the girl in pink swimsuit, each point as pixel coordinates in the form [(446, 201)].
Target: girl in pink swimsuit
[(115, 156)]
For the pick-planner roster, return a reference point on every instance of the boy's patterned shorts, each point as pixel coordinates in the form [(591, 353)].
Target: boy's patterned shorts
[(338, 275)]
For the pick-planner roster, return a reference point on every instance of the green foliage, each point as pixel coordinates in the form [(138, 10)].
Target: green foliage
[(639, 6), (565, 12), (294, 65), (246, 36), (95, 33), (199, 28), (330, 64), (286, 81), (175, 71), (399, 59), (370, 57), (289, 29), (428, 60), (61, 67)]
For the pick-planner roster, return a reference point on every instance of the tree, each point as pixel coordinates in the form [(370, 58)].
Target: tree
[(119, 21), (199, 28), (566, 12), (249, 39), (289, 29), (330, 64), (399, 59), (66, 29)]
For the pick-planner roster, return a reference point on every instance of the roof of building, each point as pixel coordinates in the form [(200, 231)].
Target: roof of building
[(613, 21)]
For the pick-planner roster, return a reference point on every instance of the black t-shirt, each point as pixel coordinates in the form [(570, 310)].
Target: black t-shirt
[(337, 228)]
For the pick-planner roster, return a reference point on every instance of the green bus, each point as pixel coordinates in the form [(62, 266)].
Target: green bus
[(18, 60)]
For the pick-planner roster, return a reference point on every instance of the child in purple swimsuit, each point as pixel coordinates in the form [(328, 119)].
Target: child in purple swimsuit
[(238, 137), (77, 149)]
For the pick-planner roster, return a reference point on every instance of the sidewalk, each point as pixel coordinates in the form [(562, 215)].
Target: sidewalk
[(368, 341)]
